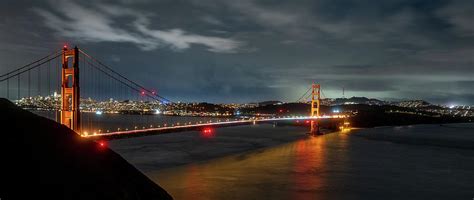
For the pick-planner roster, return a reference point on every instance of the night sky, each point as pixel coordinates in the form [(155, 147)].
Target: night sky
[(249, 50)]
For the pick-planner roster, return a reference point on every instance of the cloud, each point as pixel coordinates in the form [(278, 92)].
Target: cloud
[(315, 21), (107, 23), (212, 20), (460, 15), (408, 44), (264, 15), (178, 39)]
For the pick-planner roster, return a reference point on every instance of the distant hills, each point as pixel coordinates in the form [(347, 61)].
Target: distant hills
[(353, 100), (361, 100)]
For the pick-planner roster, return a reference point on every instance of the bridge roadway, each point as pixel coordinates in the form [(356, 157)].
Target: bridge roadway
[(198, 126)]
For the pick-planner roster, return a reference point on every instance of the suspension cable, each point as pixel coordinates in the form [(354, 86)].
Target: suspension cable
[(121, 81), (27, 65), (324, 96), (10, 75), (120, 75), (304, 95)]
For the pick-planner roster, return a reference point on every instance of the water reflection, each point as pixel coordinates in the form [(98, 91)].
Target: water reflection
[(194, 186), (334, 166), (309, 162), (290, 171)]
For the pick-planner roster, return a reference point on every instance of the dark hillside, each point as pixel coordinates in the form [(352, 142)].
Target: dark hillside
[(41, 159)]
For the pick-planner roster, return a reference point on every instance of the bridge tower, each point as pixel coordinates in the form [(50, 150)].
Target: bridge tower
[(315, 100), (315, 105), (70, 96)]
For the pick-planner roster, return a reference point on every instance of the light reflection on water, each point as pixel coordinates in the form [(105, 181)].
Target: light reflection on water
[(309, 159), (292, 165), (290, 171)]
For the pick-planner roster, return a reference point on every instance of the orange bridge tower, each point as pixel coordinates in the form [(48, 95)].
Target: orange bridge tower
[(70, 96), (315, 105)]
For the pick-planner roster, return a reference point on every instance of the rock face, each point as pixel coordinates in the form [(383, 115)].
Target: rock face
[(45, 160)]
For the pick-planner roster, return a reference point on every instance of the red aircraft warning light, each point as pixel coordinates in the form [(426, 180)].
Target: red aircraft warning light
[(102, 144), (207, 133)]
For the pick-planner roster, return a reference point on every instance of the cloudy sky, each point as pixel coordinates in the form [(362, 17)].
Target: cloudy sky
[(251, 50)]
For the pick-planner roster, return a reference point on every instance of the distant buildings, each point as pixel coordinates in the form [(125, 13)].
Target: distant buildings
[(351, 101), (133, 107), (413, 104), (207, 109)]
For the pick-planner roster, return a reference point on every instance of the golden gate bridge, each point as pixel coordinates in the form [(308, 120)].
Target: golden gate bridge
[(77, 74)]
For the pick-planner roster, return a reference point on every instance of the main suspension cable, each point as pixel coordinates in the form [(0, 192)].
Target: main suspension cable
[(304, 95), (10, 75), (120, 75), (121, 81), (27, 65)]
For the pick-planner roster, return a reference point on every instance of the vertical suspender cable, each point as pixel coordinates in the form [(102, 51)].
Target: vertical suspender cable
[(58, 84), (59, 76), (49, 78), (39, 82), (29, 84), (81, 103), (8, 89), (18, 88)]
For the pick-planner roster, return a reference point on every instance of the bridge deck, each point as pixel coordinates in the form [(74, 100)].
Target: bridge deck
[(178, 128)]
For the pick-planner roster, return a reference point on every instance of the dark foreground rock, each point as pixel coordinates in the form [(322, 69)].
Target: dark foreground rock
[(41, 159)]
